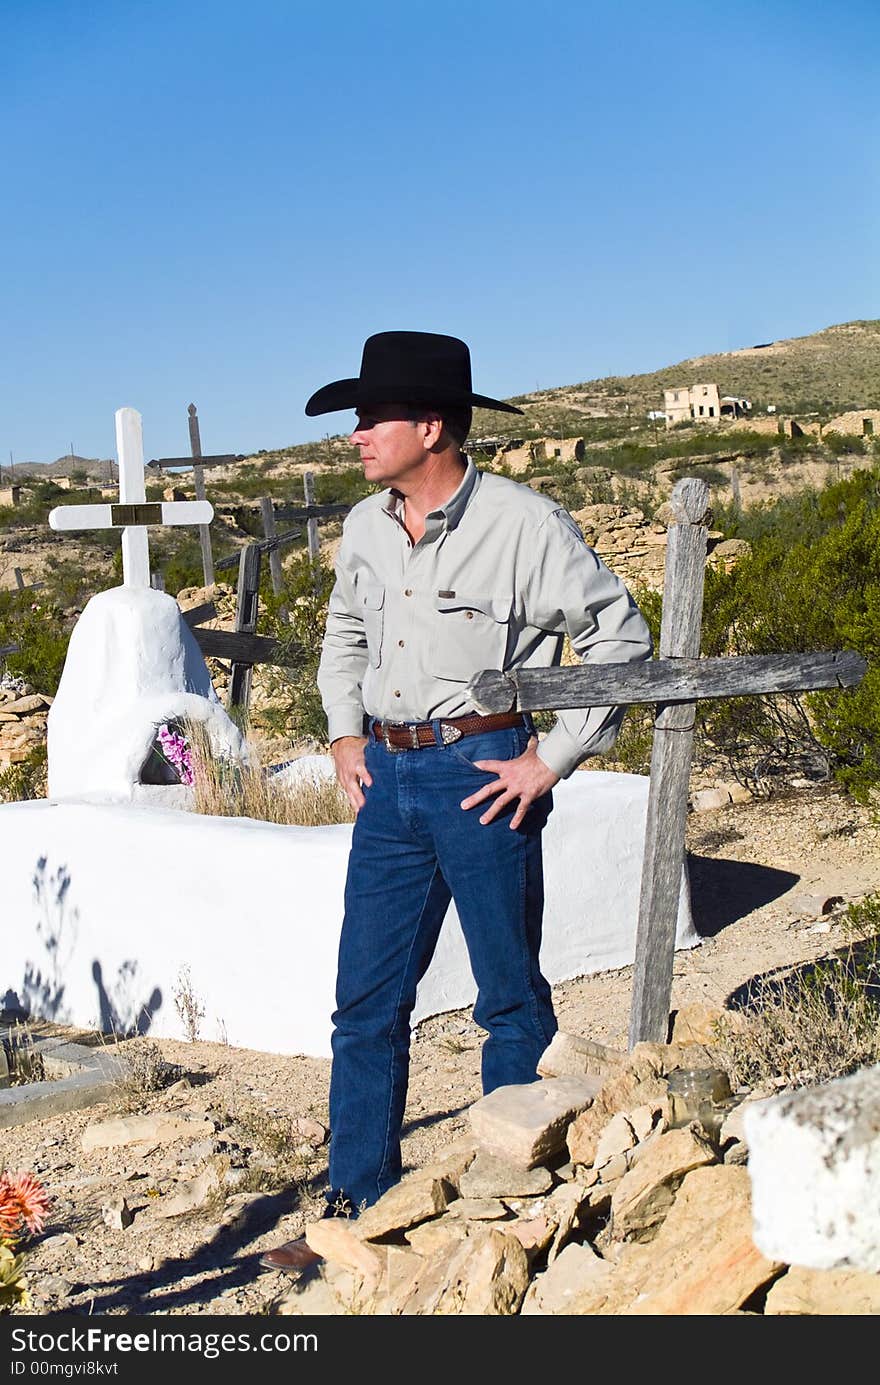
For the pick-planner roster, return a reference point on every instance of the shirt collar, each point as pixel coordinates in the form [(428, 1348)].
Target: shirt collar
[(453, 509)]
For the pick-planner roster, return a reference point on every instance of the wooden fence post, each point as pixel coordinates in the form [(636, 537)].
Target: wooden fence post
[(311, 524), (270, 532), (195, 443), (246, 607), (670, 768)]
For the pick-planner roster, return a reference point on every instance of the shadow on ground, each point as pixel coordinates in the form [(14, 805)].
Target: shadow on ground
[(723, 891)]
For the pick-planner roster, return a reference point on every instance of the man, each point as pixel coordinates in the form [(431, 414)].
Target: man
[(443, 573)]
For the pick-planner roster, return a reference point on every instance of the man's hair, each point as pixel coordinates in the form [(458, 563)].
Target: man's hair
[(457, 419)]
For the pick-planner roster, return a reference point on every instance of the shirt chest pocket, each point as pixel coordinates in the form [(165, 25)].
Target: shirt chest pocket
[(373, 608), (471, 634)]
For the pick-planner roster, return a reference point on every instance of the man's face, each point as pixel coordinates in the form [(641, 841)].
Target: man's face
[(391, 445)]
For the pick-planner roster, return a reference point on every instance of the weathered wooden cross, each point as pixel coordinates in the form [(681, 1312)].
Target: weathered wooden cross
[(133, 515), (673, 682), (198, 463)]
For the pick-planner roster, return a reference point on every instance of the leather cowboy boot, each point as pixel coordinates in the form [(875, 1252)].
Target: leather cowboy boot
[(295, 1256)]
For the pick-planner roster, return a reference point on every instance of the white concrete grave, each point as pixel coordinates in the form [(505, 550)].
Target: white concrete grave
[(111, 905), (132, 662)]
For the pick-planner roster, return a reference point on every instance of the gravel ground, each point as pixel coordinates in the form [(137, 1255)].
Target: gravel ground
[(750, 866)]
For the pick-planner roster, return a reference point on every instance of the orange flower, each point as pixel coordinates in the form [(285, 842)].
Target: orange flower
[(23, 1202)]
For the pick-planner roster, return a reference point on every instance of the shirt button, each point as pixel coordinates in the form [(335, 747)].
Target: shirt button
[(468, 615), (400, 644), (396, 692), (408, 591)]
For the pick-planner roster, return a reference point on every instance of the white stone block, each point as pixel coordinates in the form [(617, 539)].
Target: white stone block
[(814, 1161)]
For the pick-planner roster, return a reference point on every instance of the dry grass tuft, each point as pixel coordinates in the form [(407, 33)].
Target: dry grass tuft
[(146, 1071), (250, 791)]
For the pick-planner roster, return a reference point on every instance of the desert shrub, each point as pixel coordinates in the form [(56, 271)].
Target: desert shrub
[(843, 444), (632, 749), (816, 1022), (27, 779), (296, 708), (812, 582), (144, 1071), (39, 630)]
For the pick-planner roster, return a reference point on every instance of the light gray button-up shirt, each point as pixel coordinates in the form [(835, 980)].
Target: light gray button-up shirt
[(498, 579)]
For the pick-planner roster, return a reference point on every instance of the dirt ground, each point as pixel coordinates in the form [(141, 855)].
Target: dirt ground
[(751, 865)]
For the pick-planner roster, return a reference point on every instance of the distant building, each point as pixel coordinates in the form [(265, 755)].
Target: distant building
[(691, 402), (735, 406), (560, 449), (10, 495)]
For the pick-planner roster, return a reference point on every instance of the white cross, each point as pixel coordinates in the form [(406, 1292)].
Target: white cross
[(132, 513)]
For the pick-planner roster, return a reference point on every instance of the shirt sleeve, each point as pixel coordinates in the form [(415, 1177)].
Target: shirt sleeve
[(570, 589), (344, 659)]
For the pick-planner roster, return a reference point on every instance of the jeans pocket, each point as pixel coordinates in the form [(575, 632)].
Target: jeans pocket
[(492, 745)]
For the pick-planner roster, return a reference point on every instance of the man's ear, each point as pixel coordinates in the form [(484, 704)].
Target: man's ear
[(433, 429)]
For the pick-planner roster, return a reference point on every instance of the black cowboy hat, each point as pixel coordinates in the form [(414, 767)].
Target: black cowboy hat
[(407, 368)]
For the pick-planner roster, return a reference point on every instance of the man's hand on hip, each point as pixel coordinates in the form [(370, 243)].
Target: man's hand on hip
[(525, 778), (351, 771)]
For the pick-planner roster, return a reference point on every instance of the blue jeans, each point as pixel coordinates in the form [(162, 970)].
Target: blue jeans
[(414, 848)]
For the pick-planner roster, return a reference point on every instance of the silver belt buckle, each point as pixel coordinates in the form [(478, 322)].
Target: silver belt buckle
[(398, 726)]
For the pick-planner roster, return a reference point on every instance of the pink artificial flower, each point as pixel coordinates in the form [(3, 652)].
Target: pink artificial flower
[(23, 1202), (177, 753)]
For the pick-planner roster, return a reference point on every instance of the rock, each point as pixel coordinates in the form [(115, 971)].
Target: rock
[(638, 1084), (576, 1271), (563, 1207), (491, 1177), (21, 705), (413, 1200), (487, 1274), (617, 1137), (533, 1233), (642, 1120), (63, 1241), (569, 1055), (644, 1195), (478, 1209), (433, 1237), (336, 1240), (117, 1214), (191, 1195), (812, 906), (160, 1128), (696, 1023), (831, 1293), (313, 1295), (527, 1123), (705, 800), (312, 1131), (706, 1261)]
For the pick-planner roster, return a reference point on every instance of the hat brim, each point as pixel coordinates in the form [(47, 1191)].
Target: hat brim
[(353, 394)]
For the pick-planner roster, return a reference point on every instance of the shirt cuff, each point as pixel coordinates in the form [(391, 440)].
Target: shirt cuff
[(345, 721), (560, 751)]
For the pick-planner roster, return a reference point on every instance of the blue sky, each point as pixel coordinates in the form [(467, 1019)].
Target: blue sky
[(218, 203)]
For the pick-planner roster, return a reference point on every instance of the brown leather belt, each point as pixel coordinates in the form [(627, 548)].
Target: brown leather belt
[(413, 735)]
